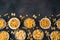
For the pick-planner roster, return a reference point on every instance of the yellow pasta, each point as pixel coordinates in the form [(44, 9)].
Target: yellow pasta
[(38, 34), (29, 23), (4, 35), (55, 35), (20, 35), (45, 23), (2, 23)]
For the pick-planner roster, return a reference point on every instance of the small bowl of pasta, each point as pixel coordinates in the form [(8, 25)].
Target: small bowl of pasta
[(29, 23), (45, 23), (4, 35), (38, 34), (20, 35), (14, 23)]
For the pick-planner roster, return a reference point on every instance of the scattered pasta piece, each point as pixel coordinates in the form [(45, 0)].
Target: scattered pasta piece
[(21, 16), (54, 20), (6, 14), (35, 16), (57, 15), (13, 14)]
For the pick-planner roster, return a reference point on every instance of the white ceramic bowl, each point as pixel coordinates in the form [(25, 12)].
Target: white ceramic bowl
[(42, 26), (12, 19)]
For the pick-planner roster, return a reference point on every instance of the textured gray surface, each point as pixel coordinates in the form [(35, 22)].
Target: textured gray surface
[(27, 6), (44, 7)]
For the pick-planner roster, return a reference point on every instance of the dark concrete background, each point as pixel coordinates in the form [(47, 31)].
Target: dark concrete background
[(44, 7)]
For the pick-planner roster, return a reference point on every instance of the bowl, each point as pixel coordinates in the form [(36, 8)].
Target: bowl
[(14, 23), (45, 23)]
